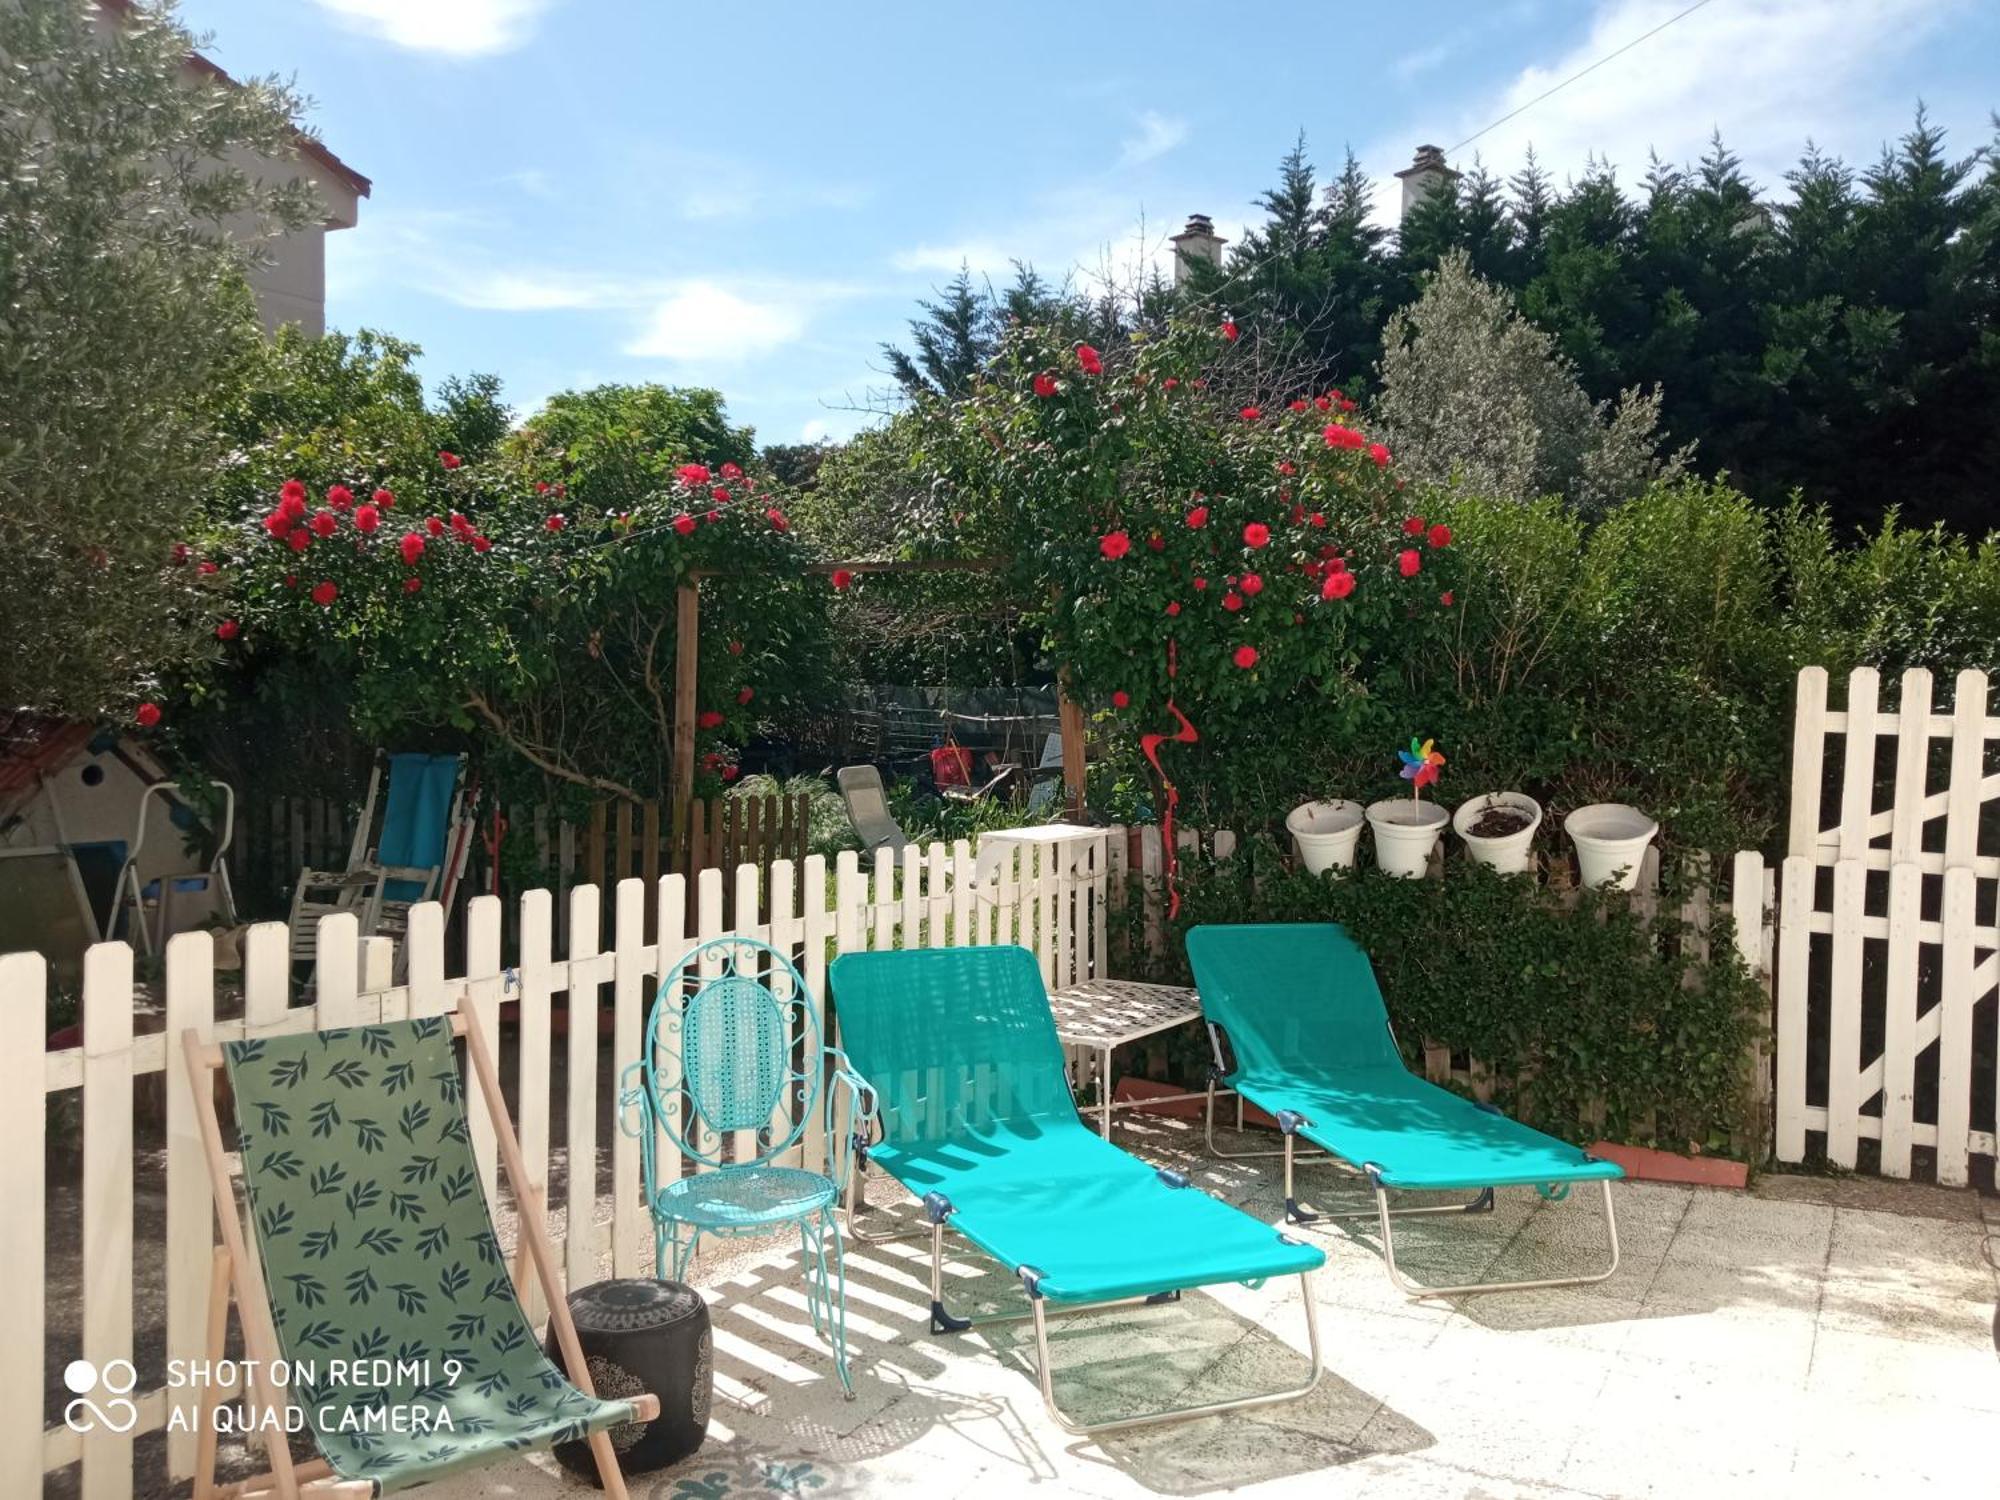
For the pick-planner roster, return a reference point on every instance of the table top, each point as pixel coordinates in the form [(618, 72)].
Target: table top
[(1044, 833), (1111, 1012)]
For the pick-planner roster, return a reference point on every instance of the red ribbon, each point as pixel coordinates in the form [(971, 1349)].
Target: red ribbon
[(1149, 746)]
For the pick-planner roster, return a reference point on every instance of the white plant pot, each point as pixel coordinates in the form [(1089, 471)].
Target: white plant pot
[(1406, 831), (1610, 837), (1326, 833), (1509, 852)]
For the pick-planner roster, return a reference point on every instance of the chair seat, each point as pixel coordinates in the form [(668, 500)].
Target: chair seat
[(745, 1197)]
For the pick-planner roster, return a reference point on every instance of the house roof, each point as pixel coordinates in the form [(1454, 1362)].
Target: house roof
[(33, 744), (309, 145)]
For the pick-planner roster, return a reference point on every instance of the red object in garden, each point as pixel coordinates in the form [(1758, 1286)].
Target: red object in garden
[(481, 544), (842, 579), (1045, 384), (1253, 584), (1173, 607), (299, 539), (1256, 534), (744, 695), (1413, 526), (735, 648), (227, 630), (1121, 699), (325, 523), (730, 773), (207, 568), (1090, 359), (1338, 585), (1338, 436), (1114, 545), (691, 475), (433, 525), (719, 495), (1409, 562), (777, 519), (366, 519), (384, 498), (412, 547), (147, 715), (732, 471), (1440, 535), (1250, 413), (555, 522), (1198, 517), (951, 765), (340, 497), (277, 523), (1380, 454), (293, 493), (449, 460), (325, 592), (1229, 330), (412, 584), (709, 718), (684, 524), (182, 552), (1232, 601), (1245, 657)]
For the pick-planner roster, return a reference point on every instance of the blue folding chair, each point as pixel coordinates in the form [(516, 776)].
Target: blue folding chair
[(733, 1047)]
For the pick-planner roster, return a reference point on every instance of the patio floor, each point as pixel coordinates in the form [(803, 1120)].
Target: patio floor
[(1815, 1337)]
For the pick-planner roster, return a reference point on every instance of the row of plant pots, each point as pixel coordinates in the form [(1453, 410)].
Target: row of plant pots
[(1497, 829)]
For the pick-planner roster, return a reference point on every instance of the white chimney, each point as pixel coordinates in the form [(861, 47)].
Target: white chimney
[(1198, 241), (1423, 177)]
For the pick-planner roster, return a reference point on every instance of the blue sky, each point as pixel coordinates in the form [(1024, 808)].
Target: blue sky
[(753, 197)]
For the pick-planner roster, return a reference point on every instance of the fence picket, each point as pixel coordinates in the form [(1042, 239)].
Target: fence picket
[(190, 1211), (1956, 998), (24, 1127), (107, 1199), (580, 1228), (482, 992), (1899, 1018), (1843, 1101), (1808, 760), (532, 1057), (629, 1217), (1795, 911)]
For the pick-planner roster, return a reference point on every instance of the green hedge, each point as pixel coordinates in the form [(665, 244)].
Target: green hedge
[(1594, 1019)]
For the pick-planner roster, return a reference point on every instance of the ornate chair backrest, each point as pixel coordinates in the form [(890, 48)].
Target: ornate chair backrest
[(735, 1033)]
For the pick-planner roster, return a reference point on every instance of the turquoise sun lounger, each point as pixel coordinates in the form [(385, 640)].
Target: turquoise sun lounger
[(1300, 1031), (977, 1121)]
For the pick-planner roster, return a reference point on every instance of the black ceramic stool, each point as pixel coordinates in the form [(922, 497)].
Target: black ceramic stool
[(642, 1335)]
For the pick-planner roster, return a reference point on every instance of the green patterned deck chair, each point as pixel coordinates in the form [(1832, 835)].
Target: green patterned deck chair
[(733, 1050), (376, 1275), (977, 1121), (1300, 1031)]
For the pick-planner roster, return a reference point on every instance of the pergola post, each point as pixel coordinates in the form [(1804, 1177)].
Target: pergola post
[(687, 659), (1070, 717)]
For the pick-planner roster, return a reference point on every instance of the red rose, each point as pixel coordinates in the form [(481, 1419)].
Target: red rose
[(1338, 436), (691, 475), (1245, 657), (842, 579), (293, 492), (735, 648), (1169, 383), (412, 584), (541, 486), (1338, 585), (298, 539), (449, 460), (384, 499), (1229, 330), (561, 488), (745, 695), (325, 523), (227, 630), (1252, 584), (1445, 598), (1250, 413), (684, 524), (1256, 534), (1440, 535), (277, 523), (293, 507), (1286, 467), (366, 518), (481, 544), (1198, 517), (555, 522), (291, 580), (1316, 519), (340, 497), (1114, 545), (719, 495), (1380, 454), (1322, 403), (413, 547), (1045, 385), (147, 715), (1121, 699), (182, 552), (1173, 607), (1090, 359), (459, 525), (1413, 526), (1232, 601), (777, 518), (325, 592), (732, 471), (1409, 563), (1200, 584), (1298, 405), (730, 773), (433, 525), (1344, 404), (710, 718)]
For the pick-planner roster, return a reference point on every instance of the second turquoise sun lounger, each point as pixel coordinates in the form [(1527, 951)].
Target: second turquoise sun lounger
[(978, 1123), (1301, 1032)]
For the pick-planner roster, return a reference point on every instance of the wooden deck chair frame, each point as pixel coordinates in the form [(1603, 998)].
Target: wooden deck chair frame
[(236, 1269)]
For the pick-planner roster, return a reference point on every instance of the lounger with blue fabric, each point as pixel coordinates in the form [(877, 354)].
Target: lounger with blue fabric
[(1300, 1031), (976, 1120)]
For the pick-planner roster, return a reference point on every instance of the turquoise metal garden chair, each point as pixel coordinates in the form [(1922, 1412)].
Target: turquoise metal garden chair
[(1300, 1031), (977, 1121), (733, 1051)]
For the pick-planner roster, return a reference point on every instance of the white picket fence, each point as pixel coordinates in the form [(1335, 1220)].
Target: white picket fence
[(930, 898), (1899, 942)]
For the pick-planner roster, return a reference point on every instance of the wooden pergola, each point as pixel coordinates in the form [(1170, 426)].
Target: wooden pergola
[(687, 668)]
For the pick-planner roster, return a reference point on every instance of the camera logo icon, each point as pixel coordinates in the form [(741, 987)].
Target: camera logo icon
[(115, 1412)]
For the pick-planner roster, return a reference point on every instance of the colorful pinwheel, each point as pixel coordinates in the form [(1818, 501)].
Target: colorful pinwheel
[(1420, 764)]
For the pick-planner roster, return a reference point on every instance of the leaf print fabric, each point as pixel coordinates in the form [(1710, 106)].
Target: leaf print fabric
[(391, 1295)]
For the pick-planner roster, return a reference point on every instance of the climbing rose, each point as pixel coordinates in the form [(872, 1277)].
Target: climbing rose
[(1155, 541), (541, 486), (147, 714), (1232, 601), (1198, 517), (1245, 657), (1090, 359), (1121, 699), (481, 544), (1229, 330), (1317, 518), (1298, 405), (1045, 385), (449, 460), (777, 518), (1322, 403), (1256, 534), (735, 648), (1200, 584), (384, 499), (366, 518), (730, 773), (842, 579), (293, 492), (1380, 454), (684, 524), (291, 580), (1338, 436), (1440, 535), (1173, 607), (277, 523), (555, 522), (711, 718), (732, 471), (712, 516), (433, 525), (293, 507), (1338, 585), (413, 547), (1114, 545), (1252, 584), (691, 475), (1409, 563), (340, 497), (1170, 382), (745, 695), (1413, 526), (412, 584), (299, 539), (719, 495), (325, 592), (1445, 598), (1250, 413), (325, 523)]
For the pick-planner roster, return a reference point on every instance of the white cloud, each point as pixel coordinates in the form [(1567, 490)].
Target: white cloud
[(1423, 60), (983, 257), (1157, 135), (457, 28), (702, 320), (814, 431)]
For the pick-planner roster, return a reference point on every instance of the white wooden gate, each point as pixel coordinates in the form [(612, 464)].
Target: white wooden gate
[(1887, 949)]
